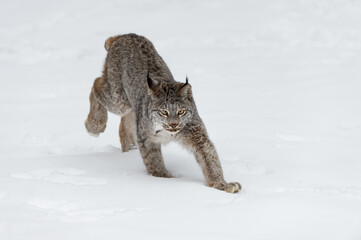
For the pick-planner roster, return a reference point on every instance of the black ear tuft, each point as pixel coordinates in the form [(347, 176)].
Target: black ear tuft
[(153, 85), (186, 90), (149, 82), (186, 79)]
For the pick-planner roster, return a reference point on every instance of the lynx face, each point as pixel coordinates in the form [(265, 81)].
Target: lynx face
[(172, 106), (171, 117)]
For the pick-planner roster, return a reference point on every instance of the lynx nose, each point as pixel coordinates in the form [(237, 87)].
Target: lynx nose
[(173, 125)]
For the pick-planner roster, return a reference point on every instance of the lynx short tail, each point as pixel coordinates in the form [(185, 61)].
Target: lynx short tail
[(109, 41)]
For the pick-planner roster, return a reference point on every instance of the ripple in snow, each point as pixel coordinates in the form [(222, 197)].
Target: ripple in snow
[(235, 165), (69, 211), (60, 176)]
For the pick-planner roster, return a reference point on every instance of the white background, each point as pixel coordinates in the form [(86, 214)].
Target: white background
[(277, 84)]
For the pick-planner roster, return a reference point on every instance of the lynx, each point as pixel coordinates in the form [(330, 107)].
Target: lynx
[(154, 108)]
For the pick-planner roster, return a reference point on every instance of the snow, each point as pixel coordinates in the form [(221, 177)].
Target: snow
[(277, 84)]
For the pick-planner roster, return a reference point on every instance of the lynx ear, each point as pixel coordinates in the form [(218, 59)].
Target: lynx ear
[(152, 85), (186, 90)]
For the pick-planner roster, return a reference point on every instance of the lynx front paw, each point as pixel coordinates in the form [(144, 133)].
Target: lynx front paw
[(161, 174), (232, 187), (94, 128)]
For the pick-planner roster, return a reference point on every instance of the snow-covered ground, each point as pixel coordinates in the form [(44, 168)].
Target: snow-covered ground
[(278, 84)]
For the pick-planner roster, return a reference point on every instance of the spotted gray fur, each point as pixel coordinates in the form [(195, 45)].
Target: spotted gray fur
[(155, 109)]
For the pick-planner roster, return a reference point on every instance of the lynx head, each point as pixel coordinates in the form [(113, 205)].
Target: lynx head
[(172, 104)]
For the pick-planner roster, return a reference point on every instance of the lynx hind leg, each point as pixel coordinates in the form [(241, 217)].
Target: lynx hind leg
[(127, 130), (98, 115)]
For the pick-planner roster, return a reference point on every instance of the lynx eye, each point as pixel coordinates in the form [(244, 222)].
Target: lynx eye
[(164, 112), (181, 112)]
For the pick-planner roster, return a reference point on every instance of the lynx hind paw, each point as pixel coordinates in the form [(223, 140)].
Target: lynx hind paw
[(93, 134), (128, 148), (94, 129), (232, 187)]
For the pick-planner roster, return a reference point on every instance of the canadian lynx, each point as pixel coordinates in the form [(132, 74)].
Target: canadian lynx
[(155, 109)]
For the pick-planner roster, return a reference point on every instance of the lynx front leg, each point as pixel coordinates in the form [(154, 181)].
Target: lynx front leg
[(127, 130), (98, 115), (153, 158), (196, 139)]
